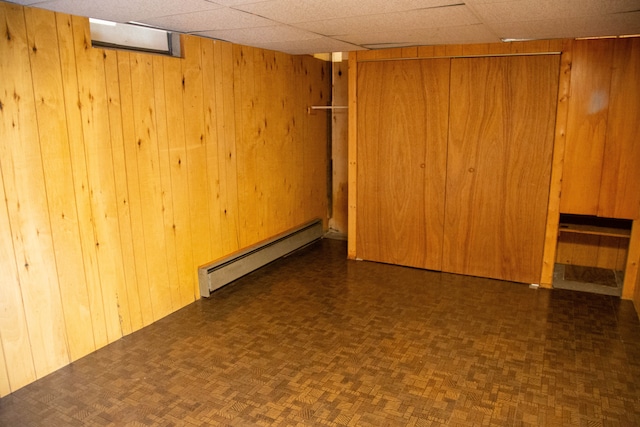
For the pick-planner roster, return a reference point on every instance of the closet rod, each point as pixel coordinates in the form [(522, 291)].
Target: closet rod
[(326, 107)]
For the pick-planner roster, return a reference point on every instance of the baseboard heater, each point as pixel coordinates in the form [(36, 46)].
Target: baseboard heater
[(225, 270)]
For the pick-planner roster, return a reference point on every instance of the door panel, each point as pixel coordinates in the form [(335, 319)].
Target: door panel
[(402, 139), (501, 128), (586, 126), (620, 188)]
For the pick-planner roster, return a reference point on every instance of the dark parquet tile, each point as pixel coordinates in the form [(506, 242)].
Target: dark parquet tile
[(315, 340)]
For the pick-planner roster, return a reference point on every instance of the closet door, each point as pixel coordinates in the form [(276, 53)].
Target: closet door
[(402, 138), (501, 129)]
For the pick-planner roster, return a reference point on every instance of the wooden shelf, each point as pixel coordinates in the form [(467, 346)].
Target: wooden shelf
[(595, 230)]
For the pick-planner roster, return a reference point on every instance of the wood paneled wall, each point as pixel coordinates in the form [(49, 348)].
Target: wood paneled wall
[(122, 172), (338, 224)]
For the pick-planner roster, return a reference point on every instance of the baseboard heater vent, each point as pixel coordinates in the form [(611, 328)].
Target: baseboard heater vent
[(225, 270)]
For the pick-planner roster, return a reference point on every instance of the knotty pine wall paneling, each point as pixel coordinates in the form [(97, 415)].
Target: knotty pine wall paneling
[(339, 150), (145, 149), (129, 196), (173, 285), (18, 369), (128, 291), (207, 51), (122, 172), (177, 192), (5, 387), (247, 145), (94, 114), (82, 189), (58, 174), (196, 150), (41, 322), (226, 146), (315, 83)]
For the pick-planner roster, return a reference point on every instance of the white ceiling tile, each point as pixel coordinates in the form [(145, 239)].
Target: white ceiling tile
[(478, 33), (431, 18), (229, 3), (317, 45), (534, 10), (217, 19), (294, 11), (250, 36), (612, 25), (127, 10)]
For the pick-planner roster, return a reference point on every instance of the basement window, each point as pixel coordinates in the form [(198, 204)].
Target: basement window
[(114, 35)]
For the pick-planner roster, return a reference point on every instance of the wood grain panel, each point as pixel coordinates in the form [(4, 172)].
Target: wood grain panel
[(288, 116), (339, 149), (286, 191), (80, 176), (316, 84), (196, 150), (476, 49), (52, 134), (585, 250), (146, 146), (5, 387), (402, 139), (128, 299), (299, 114), (262, 160), (498, 167), (141, 287), (612, 252), (14, 334), (164, 171), (250, 191), (211, 141), (592, 251), (178, 172), (100, 173), (227, 155), (620, 191), (586, 126), (463, 50), (26, 205), (632, 263)]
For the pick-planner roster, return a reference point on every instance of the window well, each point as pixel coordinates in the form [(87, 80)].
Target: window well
[(133, 37)]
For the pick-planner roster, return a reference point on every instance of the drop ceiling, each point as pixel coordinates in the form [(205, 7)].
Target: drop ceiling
[(320, 26)]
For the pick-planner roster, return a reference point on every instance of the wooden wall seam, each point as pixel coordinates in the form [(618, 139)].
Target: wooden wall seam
[(553, 213), (352, 168)]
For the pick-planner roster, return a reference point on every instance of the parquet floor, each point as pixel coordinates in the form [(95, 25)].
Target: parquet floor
[(315, 340)]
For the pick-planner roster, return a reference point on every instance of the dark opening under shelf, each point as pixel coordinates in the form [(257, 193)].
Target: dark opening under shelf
[(583, 224)]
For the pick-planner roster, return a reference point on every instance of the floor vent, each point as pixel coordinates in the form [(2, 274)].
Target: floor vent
[(215, 275)]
